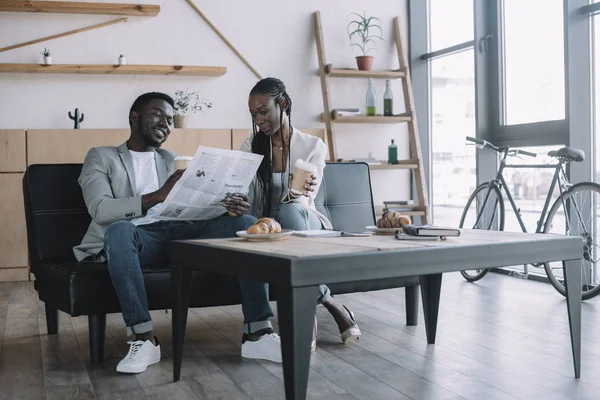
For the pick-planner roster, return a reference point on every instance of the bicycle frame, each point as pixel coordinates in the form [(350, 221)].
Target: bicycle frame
[(500, 183)]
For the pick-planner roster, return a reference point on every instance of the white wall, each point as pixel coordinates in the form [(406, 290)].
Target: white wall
[(275, 36)]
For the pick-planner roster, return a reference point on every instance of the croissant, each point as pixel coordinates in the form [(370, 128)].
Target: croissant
[(264, 226), (393, 219)]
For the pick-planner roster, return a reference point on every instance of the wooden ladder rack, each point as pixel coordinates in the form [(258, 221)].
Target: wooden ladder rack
[(331, 117)]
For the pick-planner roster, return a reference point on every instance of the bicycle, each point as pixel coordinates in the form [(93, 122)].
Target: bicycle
[(485, 210)]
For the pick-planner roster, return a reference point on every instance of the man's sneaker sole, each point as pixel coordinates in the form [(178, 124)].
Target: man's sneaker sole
[(139, 369)]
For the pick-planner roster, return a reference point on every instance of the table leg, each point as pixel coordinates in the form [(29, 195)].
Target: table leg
[(572, 274), (181, 284), (296, 310), (430, 293)]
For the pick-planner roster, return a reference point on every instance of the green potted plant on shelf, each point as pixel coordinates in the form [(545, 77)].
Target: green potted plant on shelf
[(47, 56), (187, 103), (363, 31)]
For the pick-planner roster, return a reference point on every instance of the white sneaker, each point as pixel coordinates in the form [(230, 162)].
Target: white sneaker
[(141, 355), (268, 347)]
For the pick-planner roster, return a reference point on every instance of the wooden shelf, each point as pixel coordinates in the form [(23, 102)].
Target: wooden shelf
[(410, 210), (363, 119), (354, 73), (113, 69), (68, 7), (402, 164)]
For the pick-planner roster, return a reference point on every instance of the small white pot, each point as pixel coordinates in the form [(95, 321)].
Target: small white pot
[(122, 61), (47, 60)]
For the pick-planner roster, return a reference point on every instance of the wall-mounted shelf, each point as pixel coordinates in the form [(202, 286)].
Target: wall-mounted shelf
[(417, 211), (114, 69), (402, 164), (363, 119), (354, 73), (68, 7)]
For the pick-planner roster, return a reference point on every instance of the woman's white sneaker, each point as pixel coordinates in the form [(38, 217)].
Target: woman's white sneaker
[(141, 355)]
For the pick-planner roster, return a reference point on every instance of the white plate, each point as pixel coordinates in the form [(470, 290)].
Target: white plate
[(265, 236), (383, 231)]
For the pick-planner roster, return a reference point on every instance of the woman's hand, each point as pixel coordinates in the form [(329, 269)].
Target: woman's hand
[(309, 185), (236, 204)]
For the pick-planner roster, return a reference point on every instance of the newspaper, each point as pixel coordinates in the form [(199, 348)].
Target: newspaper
[(209, 178)]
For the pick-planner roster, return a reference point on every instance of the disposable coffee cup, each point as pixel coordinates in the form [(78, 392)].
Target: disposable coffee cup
[(303, 171), (182, 162)]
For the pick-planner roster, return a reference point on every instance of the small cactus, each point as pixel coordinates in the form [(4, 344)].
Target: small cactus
[(76, 118), (46, 52)]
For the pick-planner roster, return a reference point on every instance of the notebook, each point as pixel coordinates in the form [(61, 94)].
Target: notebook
[(430, 230)]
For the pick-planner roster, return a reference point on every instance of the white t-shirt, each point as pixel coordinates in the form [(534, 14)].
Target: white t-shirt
[(146, 181)]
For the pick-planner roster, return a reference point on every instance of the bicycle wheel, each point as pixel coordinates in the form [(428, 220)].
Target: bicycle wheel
[(485, 212), (583, 203)]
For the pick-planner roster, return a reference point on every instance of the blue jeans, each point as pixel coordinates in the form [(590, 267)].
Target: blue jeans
[(130, 249), (295, 216)]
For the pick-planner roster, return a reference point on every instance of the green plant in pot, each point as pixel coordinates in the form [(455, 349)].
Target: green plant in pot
[(363, 31), (187, 103)]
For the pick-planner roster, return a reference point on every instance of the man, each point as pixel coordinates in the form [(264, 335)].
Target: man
[(122, 188)]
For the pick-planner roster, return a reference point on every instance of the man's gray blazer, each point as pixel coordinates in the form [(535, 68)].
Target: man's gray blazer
[(107, 180)]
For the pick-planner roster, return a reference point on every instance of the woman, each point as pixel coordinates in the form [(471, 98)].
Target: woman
[(281, 145)]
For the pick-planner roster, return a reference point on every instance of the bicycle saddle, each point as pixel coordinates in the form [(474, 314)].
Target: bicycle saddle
[(568, 153)]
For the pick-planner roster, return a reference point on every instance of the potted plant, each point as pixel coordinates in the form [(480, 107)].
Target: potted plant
[(363, 31), (122, 59), (187, 103), (47, 56)]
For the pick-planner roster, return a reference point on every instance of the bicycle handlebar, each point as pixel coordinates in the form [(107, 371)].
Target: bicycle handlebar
[(486, 144), (526, 153), (476, 140)]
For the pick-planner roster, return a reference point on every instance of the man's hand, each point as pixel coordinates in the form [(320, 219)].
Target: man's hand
[(169, 183), (309, 185), (151, 199), (236, 204)]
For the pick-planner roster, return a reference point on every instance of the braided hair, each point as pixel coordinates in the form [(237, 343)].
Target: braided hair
[(261, 143)]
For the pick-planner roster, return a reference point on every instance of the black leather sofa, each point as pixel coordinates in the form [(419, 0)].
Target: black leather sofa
[(57, 219)]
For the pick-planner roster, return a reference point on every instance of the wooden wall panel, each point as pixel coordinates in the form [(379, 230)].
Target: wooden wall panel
[(12, 150), (239, 135), (69, 145), (13, 232), (14, 274), (185, 141)]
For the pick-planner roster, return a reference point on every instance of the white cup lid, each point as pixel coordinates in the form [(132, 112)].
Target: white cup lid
[(305, 166)]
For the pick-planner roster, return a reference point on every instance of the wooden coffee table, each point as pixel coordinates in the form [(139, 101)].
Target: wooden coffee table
[(296, 266)]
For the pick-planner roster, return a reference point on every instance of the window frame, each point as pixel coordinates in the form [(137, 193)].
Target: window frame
[(575, 130)]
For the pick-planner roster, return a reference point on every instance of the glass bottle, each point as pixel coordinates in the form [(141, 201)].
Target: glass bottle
[(388, 100), (371, 108), (393, 153)]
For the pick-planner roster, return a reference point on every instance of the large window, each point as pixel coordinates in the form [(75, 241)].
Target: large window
[(452, 96), (513, 72), (533, 61), (453, 118)]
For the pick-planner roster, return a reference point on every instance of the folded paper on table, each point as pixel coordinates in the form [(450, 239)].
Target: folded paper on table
[(329, 233), (210, 176), (318, 233)]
